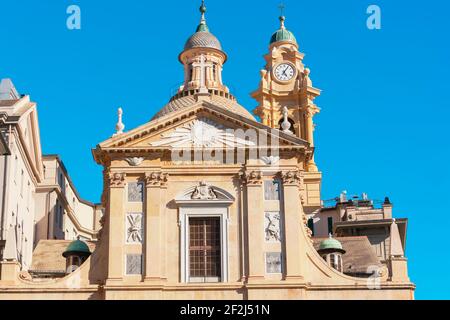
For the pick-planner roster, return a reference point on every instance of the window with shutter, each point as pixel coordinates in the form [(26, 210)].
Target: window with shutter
[(204, 250)]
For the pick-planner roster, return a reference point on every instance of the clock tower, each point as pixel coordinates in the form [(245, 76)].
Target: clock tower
[(286, 84)]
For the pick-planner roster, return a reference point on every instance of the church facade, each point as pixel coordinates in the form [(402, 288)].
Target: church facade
[(206, 202)]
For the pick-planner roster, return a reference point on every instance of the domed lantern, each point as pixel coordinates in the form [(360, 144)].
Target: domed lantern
[(331, 251), (76, 254)]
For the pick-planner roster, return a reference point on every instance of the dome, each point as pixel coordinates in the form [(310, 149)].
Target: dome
[(283, 34), (203, 39), (77, 247), (180, 102), (331, 244)]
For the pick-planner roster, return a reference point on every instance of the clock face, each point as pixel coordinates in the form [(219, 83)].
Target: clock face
[(284, 72)]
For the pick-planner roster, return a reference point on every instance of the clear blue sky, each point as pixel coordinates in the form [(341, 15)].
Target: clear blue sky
[(384, 123)]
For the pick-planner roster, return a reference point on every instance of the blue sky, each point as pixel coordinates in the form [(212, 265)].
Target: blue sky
[(384, 122)]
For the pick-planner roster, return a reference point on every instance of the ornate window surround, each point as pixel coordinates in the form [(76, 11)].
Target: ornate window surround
[(218, 207)]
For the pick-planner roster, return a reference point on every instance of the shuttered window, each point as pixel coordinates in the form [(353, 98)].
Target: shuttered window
[(204, 250)]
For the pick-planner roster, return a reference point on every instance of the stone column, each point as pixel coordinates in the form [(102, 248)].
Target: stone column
[(255, 225), (295, 254), (116, 226), (153, 226)]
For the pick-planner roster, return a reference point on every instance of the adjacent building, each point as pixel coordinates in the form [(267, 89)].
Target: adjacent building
[(37, 198)]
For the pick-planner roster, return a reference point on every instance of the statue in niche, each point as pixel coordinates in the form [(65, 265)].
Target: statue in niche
[(204, 192), (273, 227)]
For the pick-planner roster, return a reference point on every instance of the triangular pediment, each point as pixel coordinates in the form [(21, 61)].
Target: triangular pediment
[(203, 125)]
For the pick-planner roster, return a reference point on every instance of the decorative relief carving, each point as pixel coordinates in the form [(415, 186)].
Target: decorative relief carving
[(135, 192), (201, 133), (272, 190), (134, 264), (134, 230), (117, 180), (292, 178), (305, 224), (270, 161), (274, 262), (272, 227), (204, 192), (252, 177), (156, 179), (135, 162)]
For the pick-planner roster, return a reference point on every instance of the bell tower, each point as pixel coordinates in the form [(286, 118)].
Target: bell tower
[(286, 84)]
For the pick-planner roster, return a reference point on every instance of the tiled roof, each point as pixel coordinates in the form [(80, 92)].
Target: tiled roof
[(359, 256), (7, 103), (48, 255), (184, 102)]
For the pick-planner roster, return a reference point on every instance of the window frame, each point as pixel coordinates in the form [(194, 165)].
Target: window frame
[(188, 212)]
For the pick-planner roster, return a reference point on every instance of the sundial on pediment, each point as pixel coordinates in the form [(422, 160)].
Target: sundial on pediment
[(202, 133)]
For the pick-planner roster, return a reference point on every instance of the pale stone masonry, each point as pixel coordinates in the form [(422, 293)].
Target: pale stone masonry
[(205, 202)]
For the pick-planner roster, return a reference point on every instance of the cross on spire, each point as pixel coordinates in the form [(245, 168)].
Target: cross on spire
[(282, 7)]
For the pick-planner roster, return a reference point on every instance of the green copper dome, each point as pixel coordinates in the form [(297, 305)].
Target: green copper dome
[(331, 244), (77, 247), (283, 34)]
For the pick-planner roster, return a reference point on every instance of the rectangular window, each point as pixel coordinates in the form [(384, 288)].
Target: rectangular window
[(311, 225), (330, 225), (56, 216), (134, 264), (204, 250), (272, 190), (135, 192), (61, 217)]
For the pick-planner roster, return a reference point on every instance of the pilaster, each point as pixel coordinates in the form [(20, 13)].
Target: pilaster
[(116, 226), (255, 224), (154, 225), (295, 254)]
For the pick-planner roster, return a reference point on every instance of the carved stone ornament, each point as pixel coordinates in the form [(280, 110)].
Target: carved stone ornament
[(292, 178), (252, 177), (117, 180), (272, 227), (204, 192), (202, 133), (134, 162), (134, 232), (156, 179), (270, 161)]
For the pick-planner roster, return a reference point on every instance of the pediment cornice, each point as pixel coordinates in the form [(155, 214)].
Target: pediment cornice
[(126, 143)]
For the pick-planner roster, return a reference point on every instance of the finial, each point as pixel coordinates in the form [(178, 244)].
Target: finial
[(282, 17), (119, 126), (203, 11), (202, 27), (286, 125)]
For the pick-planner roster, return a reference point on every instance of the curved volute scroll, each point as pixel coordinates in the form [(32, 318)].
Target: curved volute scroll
[(204, 193)]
